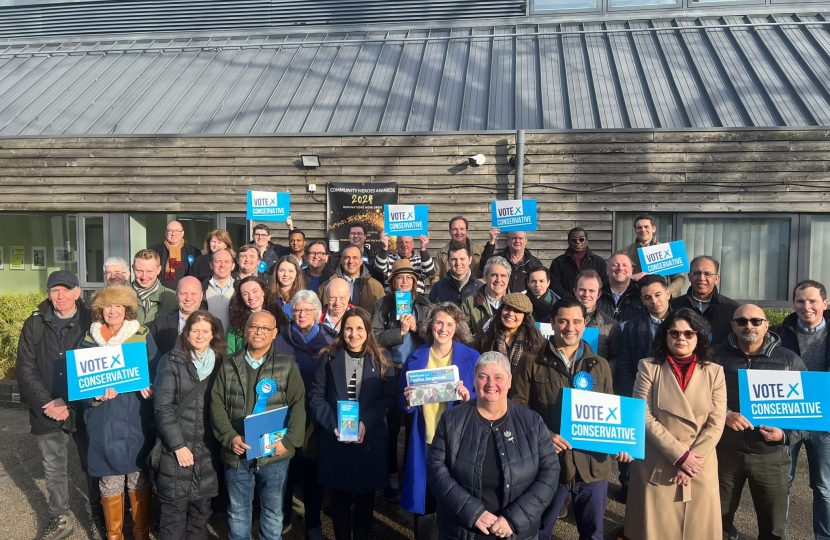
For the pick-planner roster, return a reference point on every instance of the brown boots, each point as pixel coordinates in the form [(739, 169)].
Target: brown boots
[(114, 514), (140, 504)]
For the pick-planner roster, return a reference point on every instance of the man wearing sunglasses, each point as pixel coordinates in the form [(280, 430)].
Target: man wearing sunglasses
[(578, 257), (704, 298), (805, 332), (645, 231), (757, 454)]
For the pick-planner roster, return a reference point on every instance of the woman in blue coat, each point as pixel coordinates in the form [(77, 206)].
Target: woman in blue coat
[(355, 368), (445, 331)]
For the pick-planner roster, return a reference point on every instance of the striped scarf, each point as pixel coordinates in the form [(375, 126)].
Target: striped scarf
[(515, 351), (145, 294)]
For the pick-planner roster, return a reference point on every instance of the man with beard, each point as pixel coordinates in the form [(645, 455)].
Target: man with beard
[(757, 454)]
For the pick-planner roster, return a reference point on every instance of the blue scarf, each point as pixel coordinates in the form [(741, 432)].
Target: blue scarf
[(204, 365), (311, 335)]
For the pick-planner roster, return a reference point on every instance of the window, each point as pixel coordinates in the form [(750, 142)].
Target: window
[(819, 253), (37, 245), (624, 229), (148, 229), (550, 5), (754, 253), (640, 3)]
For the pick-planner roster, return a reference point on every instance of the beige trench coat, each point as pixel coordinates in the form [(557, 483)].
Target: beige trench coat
[(677, 422)]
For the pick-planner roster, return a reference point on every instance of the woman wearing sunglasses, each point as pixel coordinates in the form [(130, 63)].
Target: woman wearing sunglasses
[(685, 397)]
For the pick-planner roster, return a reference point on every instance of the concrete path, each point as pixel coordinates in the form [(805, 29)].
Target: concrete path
[(24, 510)]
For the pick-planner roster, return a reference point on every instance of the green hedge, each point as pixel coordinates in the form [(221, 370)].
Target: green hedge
[(776, 315), (14, 309)]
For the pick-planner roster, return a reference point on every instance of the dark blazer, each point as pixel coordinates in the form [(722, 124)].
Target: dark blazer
[(563, 272), (356, 468), (165, 329), (445, 291), (719, 315), (188, 251), (789, 340), (201, 267), (635, 344)]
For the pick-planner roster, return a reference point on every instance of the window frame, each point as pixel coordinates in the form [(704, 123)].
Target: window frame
[(80, 220)]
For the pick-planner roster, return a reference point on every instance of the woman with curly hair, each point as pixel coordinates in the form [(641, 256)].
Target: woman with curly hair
[(214, 241), (119, 424), (511, 331), (252, 295), (445, 331), (286, 281)]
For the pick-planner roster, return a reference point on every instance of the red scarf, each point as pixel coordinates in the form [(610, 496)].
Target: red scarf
[(682, 369), (579, 257)]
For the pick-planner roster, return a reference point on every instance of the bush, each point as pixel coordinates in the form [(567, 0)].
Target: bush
[(14, 309), (776, 315)]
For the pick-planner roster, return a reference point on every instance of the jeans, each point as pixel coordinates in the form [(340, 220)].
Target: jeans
[(767, 478), (270, 481), (588, 500), (818, 459), (185, 520), (54, 455)]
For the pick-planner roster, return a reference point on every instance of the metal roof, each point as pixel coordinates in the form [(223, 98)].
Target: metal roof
[(678, 73)]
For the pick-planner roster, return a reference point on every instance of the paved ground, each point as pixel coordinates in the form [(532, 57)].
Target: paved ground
[(23, 494)]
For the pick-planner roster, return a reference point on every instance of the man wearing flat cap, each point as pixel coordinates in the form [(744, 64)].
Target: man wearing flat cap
[(56, 327)]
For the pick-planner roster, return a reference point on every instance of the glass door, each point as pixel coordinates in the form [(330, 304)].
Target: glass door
[(93, 247), (237, 227)]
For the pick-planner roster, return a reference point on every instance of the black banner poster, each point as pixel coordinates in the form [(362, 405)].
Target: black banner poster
[(347, 203)]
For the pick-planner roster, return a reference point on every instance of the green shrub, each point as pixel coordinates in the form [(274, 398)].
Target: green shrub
[(776, 315), (14, 309)]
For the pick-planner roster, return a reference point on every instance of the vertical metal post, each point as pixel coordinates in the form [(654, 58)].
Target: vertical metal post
[(520, 163)]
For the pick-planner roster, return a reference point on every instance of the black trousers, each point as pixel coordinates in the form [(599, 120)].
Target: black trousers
[(393, 425), (185, 520), (93, 506), (344, 521), (426, 524)]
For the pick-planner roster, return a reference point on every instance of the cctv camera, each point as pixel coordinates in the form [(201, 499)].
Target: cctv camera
[(476, 160)]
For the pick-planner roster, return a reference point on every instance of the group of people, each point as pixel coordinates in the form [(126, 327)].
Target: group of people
[(323, 328)]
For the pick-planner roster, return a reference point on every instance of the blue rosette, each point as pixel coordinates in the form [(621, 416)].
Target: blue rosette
[(262, 267), (190, 259), (583, 381), (264, 389)]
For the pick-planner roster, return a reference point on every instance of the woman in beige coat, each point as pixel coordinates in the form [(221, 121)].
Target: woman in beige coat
[(673, 494)]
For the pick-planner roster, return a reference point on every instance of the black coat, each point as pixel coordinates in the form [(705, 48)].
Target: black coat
[(455, 464), (201, 268), (356, 468), (165, 329), (445, 291), (628, 307), (387, 327), (635, 344), (563, 272), (770, 357), (719, 315), (41, 364), (518, 271), (787, 331), (175, 378), (187, 252)]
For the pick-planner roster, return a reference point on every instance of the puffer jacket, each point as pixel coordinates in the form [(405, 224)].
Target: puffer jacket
[(538, 384), (455, 464), (445, 290), (387, 327), (41, 364), (770, 357), (518, 271), (175, 379)]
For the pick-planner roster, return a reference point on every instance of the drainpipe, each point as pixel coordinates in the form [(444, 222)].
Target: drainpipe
[(520, 163)]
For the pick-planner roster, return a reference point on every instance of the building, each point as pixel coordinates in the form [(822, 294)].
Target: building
[(713, 116)]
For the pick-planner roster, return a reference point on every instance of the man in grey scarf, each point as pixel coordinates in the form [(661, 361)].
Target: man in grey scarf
[(153, 297)]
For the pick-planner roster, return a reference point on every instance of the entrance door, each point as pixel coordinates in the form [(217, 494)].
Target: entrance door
[(93, 249), (237, 227)]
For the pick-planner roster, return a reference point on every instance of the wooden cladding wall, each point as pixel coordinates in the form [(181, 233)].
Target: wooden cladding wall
[(579, 178)]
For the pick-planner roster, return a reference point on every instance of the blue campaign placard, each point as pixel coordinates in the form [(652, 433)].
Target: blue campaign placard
[(515, 215), (348, 420), (664, 259), (403, 303), (785, 399), (268, 206), (605, 423), (89, 372), (591, 335), (406, 219)]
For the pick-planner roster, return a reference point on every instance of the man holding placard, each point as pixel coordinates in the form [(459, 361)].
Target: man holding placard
[(421, 262), (645, 230), (747, 452), (569, 362)]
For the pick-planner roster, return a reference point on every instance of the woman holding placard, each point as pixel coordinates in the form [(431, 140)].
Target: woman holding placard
[(503, 490), (353, 369), (119, 424), (445, 331), (185, 474), (286, 282), (252, 296), (396, 328), (685, 397)]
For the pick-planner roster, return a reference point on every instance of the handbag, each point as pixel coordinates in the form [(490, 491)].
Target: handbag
[(154, 459)]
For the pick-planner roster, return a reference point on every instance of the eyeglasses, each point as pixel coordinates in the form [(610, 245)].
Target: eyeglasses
[(114, 274), (316, 253), (687, 334), (742, 321), (302, 311), (707, 275), (175, 231), (260, 235), (258, 329), (579, 240)]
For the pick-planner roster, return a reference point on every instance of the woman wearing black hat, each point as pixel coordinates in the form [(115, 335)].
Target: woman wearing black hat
[(399, 335), (511, 331)]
